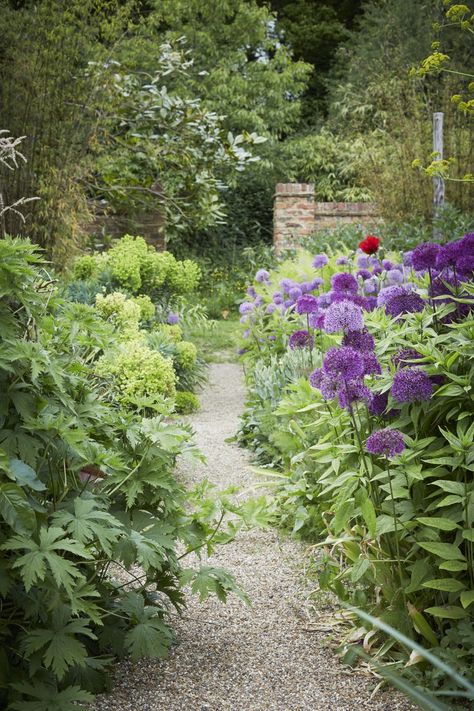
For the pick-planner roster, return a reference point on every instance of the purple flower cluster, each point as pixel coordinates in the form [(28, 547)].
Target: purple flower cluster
[(343, 316), (400, 300), (387, 442), (320, 261), (345, 282), (262, 276), (362, 340), (424, 256), (344, 362), (307, 304), (411, 385), (300, 339), (404, 356)]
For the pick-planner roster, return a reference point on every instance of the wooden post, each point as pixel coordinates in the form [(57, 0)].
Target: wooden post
[(438, 182)]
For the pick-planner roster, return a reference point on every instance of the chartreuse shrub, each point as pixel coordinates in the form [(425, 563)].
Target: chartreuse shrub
[(186, 402), (91, 516), (360, 372)]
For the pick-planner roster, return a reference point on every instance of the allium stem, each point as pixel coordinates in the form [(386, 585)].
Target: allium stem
[(395, 523)]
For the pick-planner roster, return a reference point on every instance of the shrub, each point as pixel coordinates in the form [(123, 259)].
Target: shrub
[(185, 354), (123, 312), (186, 402)]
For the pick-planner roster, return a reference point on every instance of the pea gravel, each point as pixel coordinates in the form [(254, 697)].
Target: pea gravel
[(271, 656)]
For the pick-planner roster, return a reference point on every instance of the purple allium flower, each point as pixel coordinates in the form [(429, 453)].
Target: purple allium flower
[(324, 299), (352, 391), (449, 254), (270, 308), (360, 340), (387, 442), (387, 264), (403, 357), (343, 281), (394, 276), (343, 316), (374, 263), (258, 300), (377, 270), (246, 333), (277, 298), (262, 275), (424, 256), (411, 385), (251, 292), (295, 293), (316, 378), (370, 285), (287, 284), (371, 364), (316, 320), (344, 362), (364, 274), (288, 303), (244, 318), (378, 404), (246, 307), (363, 261), (300, 339), (438, 379), (172, 318), (465, 265), (342, 260), (404, 303), (387, 292), (320, 261), (407, 258), (370, 303), (305, 286), (306, 304), (316, 283)]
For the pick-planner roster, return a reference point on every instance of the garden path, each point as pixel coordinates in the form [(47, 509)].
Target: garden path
[(268, 657)]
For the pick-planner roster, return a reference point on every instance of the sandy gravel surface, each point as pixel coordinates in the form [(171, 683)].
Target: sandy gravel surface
[(268, 657)]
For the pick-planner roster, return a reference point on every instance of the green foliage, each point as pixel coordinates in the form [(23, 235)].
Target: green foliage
[(91, 516), (186, 402)]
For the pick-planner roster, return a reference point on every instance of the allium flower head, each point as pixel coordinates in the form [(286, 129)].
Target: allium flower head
[(343, 316), (342, 260), (246, 307), (364, 274), (371, 364), (465, 265), (394, 276), (424, 256), (262, 275), (251, 292), (404, 302), (411, 385), (320, 261), (344, 362), (258, 300), (324, 383), (277, 298), (343, 281), (370, 244), (316, 377), (316, 320), (407, 258), (316, 283), (295, 293), (387, 264), (287, 284), (300, 339), (172, 318), (387, 442), (324, 299), (362, 261), (360, 340), (353, 391), (378, 403), (270, 308), (370, 285), (306, 304)]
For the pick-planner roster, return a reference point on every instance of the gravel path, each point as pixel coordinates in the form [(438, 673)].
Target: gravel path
[(268, 657)]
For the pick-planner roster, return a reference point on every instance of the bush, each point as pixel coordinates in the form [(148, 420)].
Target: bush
[(186, 402), (87, 497)]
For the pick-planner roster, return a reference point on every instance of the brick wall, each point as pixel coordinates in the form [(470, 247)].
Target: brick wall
[(296, 214)]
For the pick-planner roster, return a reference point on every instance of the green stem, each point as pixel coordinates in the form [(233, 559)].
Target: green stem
[(395, 523)]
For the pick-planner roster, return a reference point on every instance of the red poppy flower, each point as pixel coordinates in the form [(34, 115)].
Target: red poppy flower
[(370, 244)]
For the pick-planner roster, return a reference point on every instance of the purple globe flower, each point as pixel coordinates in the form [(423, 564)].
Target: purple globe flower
[(387, 292), (371, 364), (324, 299), (172, 318), (370, 285), (387, 264), (378, 404), (343, 316), (246, 307), (320, 261), (251, 292), (270, 308), (316, 283), (374, 263), (364, 274), (424, 256), (316, 378), (403, 357), (295, 293), (360, 340), (407, 258), (306, 304), (277, 298), (262, 275), (316, 320), (363, 261), (370, 303), (449, 254), (352, 391), (344, 282), (411, 385), (404, 303), (287, 284), (324, 383), (300, 339), (342, 260), (465, 265), (377, 270), (288, 303), (387, 442), (344, 362), (258, 300), (394, 276)]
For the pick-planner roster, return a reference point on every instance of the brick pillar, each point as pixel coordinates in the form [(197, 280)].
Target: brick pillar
[(293, 214)]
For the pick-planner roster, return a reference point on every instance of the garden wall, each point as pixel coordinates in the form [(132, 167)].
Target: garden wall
[(296, 214)]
